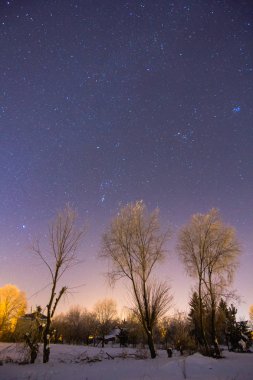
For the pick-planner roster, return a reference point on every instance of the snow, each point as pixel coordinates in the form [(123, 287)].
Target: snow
[(93, 363)]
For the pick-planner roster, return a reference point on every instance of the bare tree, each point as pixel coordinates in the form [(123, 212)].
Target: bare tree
[(64, 238), (176, 332), (106, 313), (209, 251), (134, 245), (76, 326), (74, 329)]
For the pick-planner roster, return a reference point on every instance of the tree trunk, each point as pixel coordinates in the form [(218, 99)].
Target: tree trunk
[(33, 348), (46, 342), (213, 332), (33, 356), (151, 345), (201, 317)]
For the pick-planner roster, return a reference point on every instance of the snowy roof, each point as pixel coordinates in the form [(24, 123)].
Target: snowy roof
[(33, 316), (115, 332)]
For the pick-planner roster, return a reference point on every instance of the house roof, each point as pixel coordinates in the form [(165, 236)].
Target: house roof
[(33, 316)]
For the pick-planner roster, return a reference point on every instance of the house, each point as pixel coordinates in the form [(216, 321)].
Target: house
[(117, 335), (28, 322)]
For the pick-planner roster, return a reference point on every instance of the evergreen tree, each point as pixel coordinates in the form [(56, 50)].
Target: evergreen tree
[(232, 332), (221, 321), (194, 317), (238, 334)]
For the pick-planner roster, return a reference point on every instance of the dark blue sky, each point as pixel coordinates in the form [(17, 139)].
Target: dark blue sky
[(106, 102)]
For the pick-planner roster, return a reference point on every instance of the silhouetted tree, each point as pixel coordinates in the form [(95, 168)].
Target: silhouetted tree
[(221, 321), (196, 317), (106, 314), (34, 335), (64, 238), (238, 333), (178, 334)]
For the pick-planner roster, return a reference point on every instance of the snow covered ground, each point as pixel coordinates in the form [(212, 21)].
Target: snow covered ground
[(92, 363)]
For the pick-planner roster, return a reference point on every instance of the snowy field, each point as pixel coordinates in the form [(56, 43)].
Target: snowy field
[(90, 363)]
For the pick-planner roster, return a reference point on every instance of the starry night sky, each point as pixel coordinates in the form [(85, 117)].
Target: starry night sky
[(107, 102)]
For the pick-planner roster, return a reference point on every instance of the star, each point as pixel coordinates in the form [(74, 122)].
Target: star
[(236, 109)]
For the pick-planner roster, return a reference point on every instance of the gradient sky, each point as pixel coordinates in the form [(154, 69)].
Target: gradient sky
[(108, 102)]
